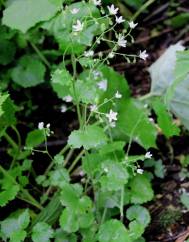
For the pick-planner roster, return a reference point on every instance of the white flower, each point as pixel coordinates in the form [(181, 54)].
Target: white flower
[(78, 26), (112, 116), (111, 55), (68, 98), (112, 10), (97, 2), (132, 25), (118, 95), (119, 19), (74, 10), (143, 55), (41, 125), (148, 155), (93, 108), (102, 85), (48, 126), (89, 53), (121, 41), (140, 171), (63, 108)]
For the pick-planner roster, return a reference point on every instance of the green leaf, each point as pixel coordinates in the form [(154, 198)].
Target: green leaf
[(42, 232), (91, 163), (113, 231), (116, 176), (133, 121), (69, 221), (7, 111), (164, 119), (61, 27), (35, 138), (185, 199), (162, 71), (69, 196), (61, 82), (170, 78), (8, 194), (138, 213), (141, 190), (112, 147), (14, 226), (61, 236), (91, 137), (29, 72), (24, 14), (7, 51), (59, 176), (136, 229), (179, 20), (159, 169)]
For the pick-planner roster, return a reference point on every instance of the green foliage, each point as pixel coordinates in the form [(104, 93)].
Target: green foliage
[(35, 138), (134, 122), (93, 188), (141, 190), (31, 12), (113, 231), (42, 232), (29, 72), (14, 226), (91, 137), (185, 199)]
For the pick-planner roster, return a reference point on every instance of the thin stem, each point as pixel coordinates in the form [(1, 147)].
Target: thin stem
[(142, 8), (75, 94), (41, 56), (10, 141), (148, 95), (104, 215), (122, 204), (69, 155), (76, 160)]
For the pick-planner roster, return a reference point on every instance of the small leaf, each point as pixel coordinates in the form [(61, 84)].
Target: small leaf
[(42, 232), (91, 137), (8, 194), (29, 72), (35, 138), (141, 190), (24, 14), (139, 213), (159, 169), (113, 231), (185, 199)]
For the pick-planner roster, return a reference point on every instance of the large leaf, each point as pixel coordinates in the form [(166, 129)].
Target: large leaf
[(91, 137), (141, 190), (162, 71), (29, 72), (14, 226), (42, 232), (133, 121), (113, 231), (24, 14), (170, 78)]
